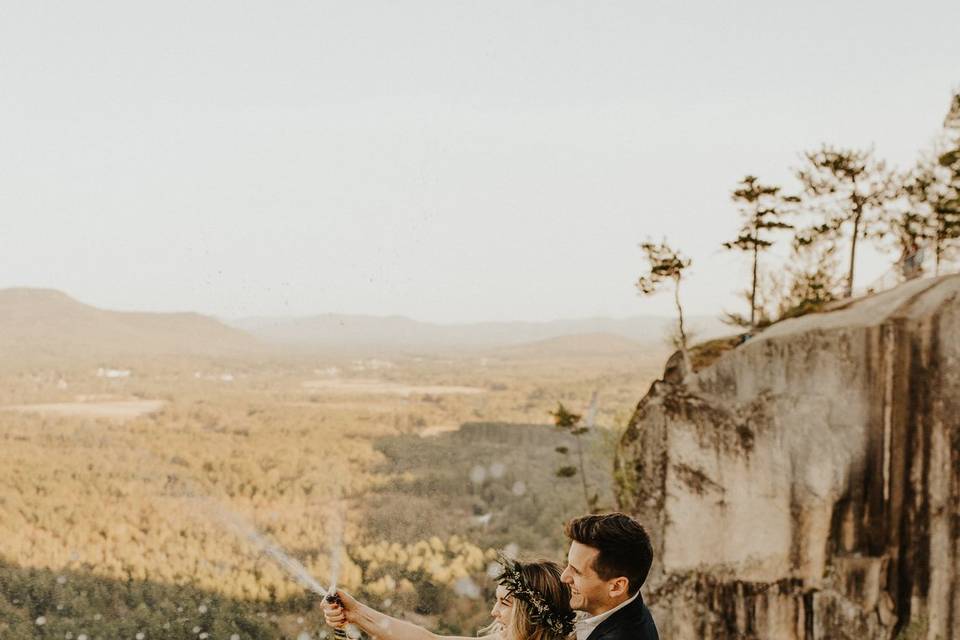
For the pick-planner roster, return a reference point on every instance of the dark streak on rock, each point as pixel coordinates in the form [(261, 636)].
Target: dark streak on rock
[(695, 479)]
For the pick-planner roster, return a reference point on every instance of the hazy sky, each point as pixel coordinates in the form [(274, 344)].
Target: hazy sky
[(444, 160)]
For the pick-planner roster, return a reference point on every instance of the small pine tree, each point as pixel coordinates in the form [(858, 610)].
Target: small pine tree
[(570, 422), (813, 280), (664, 264), (931, 193), (946, 196), (763, 208)]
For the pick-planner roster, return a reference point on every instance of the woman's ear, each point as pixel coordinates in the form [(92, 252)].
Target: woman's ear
[(618, 587)]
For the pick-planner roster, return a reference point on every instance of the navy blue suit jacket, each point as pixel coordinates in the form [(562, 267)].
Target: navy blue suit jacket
[(633, 622)]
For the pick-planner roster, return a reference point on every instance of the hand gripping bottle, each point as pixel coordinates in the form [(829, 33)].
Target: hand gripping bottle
[(340, 633)]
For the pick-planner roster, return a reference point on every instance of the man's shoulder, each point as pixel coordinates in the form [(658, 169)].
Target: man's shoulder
[(633, 621)]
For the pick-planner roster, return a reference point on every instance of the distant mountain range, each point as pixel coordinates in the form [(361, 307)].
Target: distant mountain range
[(44, 326), (334, 332)]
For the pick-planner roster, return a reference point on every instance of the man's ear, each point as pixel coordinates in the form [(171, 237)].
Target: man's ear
[(618, 587)]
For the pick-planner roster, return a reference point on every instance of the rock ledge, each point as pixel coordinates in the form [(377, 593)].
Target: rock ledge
[(807, 484)]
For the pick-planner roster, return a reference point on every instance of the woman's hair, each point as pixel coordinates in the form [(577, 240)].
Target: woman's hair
[(541, 603)]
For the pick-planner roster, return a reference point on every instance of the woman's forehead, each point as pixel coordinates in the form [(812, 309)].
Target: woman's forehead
[(502, 591)]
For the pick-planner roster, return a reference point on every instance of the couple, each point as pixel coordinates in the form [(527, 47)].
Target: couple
[(609, 559)]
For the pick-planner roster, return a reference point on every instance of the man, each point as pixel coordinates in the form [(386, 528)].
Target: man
[(609, 559)]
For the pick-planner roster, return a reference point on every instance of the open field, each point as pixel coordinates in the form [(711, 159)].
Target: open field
[(111, 507), (372, 386), (116, 409)]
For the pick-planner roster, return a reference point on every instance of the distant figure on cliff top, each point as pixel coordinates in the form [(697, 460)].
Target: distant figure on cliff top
[(911, 264), (608, 561)]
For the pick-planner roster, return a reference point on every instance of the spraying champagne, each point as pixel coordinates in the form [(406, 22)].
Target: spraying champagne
[(340, 630)]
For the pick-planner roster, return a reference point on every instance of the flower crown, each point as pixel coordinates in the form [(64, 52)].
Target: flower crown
[(541, 612)]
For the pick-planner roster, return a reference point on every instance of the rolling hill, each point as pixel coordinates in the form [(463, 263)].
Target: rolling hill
[(581, 345), (44, 326)]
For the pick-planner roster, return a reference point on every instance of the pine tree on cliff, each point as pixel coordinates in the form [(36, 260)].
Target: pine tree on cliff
[(813, 280), (846, 190), (763, 208), (946, 202), (664, 264), (931, 193)]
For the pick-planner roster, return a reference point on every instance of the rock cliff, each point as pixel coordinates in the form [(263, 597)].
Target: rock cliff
[(807, 483)]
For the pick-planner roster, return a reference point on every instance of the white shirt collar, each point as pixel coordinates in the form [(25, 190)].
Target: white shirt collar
[(585, 626)]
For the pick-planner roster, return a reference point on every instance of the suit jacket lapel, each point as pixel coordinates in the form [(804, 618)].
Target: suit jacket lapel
[(617, 620)]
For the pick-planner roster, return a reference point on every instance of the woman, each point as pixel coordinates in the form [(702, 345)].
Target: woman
[(531, 604)]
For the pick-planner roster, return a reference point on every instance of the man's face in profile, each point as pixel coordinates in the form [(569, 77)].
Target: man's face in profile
[(588, 591)]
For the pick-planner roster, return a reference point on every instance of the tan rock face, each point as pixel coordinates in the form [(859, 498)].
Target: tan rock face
[(807, 484)]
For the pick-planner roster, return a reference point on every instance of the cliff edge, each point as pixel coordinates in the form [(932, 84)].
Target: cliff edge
[(806, 484)]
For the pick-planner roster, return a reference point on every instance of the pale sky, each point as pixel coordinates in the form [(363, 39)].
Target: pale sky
[(449, 161)]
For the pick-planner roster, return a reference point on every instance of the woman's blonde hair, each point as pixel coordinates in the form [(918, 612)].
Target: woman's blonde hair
[(527, 622)]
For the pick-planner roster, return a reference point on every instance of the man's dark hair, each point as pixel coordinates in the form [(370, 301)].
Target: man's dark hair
[(623, 545)]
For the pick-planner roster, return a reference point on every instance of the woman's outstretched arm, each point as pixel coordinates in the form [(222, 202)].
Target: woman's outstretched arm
[(380, 625)]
